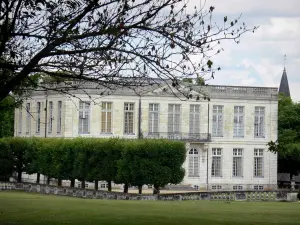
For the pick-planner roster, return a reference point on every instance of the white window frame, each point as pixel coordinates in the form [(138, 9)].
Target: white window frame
[(38, 117), (129, 118), (20, 120), (106, 124), (174, 119), (237, 187), (258, 166), (194, 163), (216, 162), (258, 187), (194, 120), (84, 117), (259, 122), (237, 162), (238, 121), (218, 120), (59, 116), (153, 126), (216, 187), (50, 119), (28, 118)]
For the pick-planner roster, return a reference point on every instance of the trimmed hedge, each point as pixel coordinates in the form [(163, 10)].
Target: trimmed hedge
[(130, 162)]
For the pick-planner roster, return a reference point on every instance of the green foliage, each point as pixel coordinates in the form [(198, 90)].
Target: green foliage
[(288, 144), (6, 160), (157, 162), (200, 81), (7, 106), (135, 162), (188, 80)]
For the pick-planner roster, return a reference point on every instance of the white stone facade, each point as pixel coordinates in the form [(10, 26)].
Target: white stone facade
[(255, 168)]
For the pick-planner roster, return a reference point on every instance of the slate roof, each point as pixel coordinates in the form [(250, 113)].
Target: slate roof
[(284, 84)]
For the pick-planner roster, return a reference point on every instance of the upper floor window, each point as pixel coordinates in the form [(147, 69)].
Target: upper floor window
[(20, 120), (38, 117), (238, 121), (153, 118), (174, 118), (194, 119), (50, 122), (259, 122), (216, 166), (237, 165), (106, 117), (193, 163), (59, 115), (217, 125), (28, 118), (128, 118), (84, 117), (258, 162)]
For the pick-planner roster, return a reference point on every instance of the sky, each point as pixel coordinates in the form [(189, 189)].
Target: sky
[(258, 60)]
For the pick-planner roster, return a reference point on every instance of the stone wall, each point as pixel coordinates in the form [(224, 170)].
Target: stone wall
[(99, 194)]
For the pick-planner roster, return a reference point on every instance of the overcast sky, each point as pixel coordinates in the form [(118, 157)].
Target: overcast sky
[(259, 59)]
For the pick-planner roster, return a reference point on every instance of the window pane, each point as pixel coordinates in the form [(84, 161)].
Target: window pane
[(174, 118), (84, 117), (217, 126)]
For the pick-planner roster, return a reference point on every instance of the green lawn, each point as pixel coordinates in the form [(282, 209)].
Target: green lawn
[(25, 208)]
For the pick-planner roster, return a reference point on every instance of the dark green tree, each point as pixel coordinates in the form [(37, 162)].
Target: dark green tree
[(288, 144), (7, 107), (6, 160)]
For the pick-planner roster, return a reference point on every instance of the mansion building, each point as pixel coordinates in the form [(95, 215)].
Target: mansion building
[(226, 133)]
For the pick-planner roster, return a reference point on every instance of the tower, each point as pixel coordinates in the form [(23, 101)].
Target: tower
[(284, 84)]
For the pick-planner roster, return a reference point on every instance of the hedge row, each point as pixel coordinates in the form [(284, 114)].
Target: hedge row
[(129, 162)]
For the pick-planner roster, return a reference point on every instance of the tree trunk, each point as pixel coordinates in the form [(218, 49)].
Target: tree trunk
[(38, 177), (96, 185), (48, 180), (59, 181), (125, 188), (140, 189), (83, 184), (72, 183), (19, 179), (156, 190), (109, 185)]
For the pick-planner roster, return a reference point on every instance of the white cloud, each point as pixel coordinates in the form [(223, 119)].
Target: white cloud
[(258, 59)]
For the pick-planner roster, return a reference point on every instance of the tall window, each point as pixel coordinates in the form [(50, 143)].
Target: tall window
[(194, 119), (258, 162), (238, 121), (84, 117), (174, 118), (20, 120), (193, 163), (259, 122), (28, 118), (217, 125), (153, 118), (50, 120), (237, 166), (59, 113), (128, 118), (38, 117), (216, 166), (106, 117)]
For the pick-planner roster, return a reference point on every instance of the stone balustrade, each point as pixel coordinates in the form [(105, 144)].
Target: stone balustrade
[(100, 194)]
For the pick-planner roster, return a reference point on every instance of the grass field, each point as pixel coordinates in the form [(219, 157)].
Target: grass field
[(25, 208)]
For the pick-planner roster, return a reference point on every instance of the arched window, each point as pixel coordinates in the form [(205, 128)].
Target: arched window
[(193, 163)]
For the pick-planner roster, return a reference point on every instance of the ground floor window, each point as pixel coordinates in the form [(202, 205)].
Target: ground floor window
[(193, 163)]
